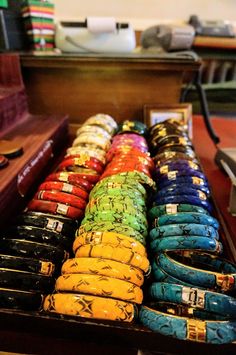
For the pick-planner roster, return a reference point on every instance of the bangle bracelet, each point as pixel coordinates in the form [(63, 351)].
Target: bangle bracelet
[(184, 190), (100, 142), (216, 332), (71, 178), (221, 279), (20, 300), (171, 208), (193, 297), (190, 217), (183, 243), (132, 126), (177, 165), (106, 184), (83, 173), (26, 264), (112, 227), (161, 158), (180, 189), (103, 267), (122, 191), (92, 152), (64, 187), (99, 286), (174, 174), (162, 276), (125, 206), (139, 223), (26, 281), (36, 234), (93, 129), (184, 199), (83, 161), (123, 255), (124, 170), (61, 197), (28, 249), (185, 230), (138, 203), (55, 208), (133, 175), (58, 224), (194, 180), (88, 306), (110, 238)]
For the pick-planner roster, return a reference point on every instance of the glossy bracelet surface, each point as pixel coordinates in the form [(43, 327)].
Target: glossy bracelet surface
[(123, 255), (187, 217), (64, 187), (55, 208), (197, 298), (103, 267), (183, 243), (173, 208), (216, 332), (100, 286), (183, 229), (88, 306), (110, 238), (200, 276), (184, 199)]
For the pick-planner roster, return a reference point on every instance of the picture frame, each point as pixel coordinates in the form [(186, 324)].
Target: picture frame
[(156, 113)]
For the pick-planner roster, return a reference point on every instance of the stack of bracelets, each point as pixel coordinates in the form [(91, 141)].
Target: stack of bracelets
[(192, 296), (33, 249), (104, 279)]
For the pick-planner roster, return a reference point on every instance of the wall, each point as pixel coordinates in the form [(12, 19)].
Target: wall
[(142, 13)]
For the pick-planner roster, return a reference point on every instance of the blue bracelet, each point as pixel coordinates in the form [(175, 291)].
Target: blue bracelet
[(183, 199), (189, 217), (180, 190), (215, 332), (197, 298), (174, 174), (164, 168), (182, 243), (194, 180), (219, 279), (182, 186), (173, 208), (182, 229)]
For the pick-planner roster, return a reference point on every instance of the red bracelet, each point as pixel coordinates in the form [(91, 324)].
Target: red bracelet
[(90, 157), (55, 208), (61, 197), (64, 187), (83, 161), (86, 173), (71, 178)]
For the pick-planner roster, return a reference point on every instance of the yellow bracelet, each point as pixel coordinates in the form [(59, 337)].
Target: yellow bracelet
[(123, 255), (100, 286), (110, 238), (110, 268), (89, 307)]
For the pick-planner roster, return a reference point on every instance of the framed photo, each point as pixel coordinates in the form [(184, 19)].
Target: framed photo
[(160, 112)]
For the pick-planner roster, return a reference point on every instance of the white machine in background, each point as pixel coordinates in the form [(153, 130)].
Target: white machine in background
[(95, 35)]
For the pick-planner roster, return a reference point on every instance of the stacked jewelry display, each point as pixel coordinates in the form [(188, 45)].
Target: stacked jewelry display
[(192, 295), (104, 279), (33, 249)]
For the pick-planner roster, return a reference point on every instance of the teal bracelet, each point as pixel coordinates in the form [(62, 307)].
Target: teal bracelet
[(193, 297), (172, 208), (221, 279), (162, 276), (187, 217), (197, 243), (215, 332), (185, 230)]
